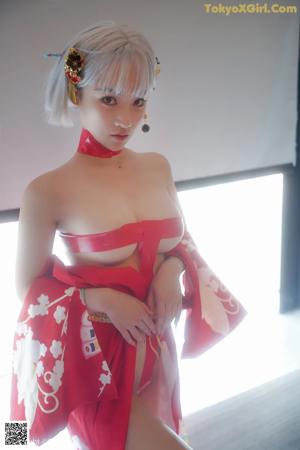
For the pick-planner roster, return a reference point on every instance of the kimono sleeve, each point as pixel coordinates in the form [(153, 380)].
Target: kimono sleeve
[(57, 362), (212, 310)]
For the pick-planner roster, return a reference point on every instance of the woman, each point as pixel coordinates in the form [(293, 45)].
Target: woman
[(94, 349)]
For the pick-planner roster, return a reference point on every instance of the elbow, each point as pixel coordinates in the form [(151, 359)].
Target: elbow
[(21, 291), (21, 294)]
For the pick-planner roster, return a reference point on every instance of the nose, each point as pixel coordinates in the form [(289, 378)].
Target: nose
[(127, 116), (122, 123)]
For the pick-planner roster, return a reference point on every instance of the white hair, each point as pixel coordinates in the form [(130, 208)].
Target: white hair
[(110, 50)]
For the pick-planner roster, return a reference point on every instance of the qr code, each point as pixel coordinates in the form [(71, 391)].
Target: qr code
[(16, 433)]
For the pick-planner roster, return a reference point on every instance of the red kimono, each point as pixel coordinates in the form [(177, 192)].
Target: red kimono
[(69, 370)]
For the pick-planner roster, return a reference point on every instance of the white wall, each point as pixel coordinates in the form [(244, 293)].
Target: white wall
[(225, 99)]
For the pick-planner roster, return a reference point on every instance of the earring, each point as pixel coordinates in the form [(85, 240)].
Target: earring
[(145, 127)]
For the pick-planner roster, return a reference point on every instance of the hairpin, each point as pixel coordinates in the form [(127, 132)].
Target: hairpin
[(73, 68), (50, 55)]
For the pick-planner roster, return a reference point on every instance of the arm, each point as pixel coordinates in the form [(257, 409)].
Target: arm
[(212, 310), (164, 295), (36, 231), (38, 220)]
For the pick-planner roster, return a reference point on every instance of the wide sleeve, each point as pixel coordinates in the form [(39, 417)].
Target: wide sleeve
[(212, 310), (54, 368)]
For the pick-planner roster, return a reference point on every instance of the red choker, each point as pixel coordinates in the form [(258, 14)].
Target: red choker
[(90, 146)]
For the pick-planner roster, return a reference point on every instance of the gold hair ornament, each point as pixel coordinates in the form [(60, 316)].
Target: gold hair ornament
[(74, 72), (73, 67)]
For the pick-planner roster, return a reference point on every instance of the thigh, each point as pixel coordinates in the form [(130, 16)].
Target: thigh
[(147, 432)]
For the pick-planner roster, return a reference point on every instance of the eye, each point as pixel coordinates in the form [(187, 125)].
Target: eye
[(143, 102), (106, 97)]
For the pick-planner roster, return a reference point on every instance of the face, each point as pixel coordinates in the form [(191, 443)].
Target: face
[(105, 114)]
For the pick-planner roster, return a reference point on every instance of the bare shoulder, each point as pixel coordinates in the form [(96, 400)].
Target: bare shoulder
[(156, 159), (41, 192), (159, 158), (43, 182), (162, 164)]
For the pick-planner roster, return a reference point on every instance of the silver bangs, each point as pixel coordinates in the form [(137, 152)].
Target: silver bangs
[(117, 60)]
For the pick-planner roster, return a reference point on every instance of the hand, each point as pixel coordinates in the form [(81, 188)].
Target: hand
[(128, 314), (164, 295)]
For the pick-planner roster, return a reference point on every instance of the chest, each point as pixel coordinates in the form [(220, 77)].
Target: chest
[(96, 201)]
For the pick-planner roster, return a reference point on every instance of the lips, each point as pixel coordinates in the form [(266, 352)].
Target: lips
[(120, 137)]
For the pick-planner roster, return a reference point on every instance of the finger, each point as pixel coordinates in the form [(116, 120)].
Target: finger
[(150, 300), (149, 310), (136, 334), (150, 322), (128, 338), (143, 327), (150, 325)]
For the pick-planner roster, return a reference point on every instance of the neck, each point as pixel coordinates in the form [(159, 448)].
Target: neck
[(89, 145)]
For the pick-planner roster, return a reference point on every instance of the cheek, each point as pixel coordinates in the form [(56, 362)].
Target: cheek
[(102, 113), (140, 114)]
